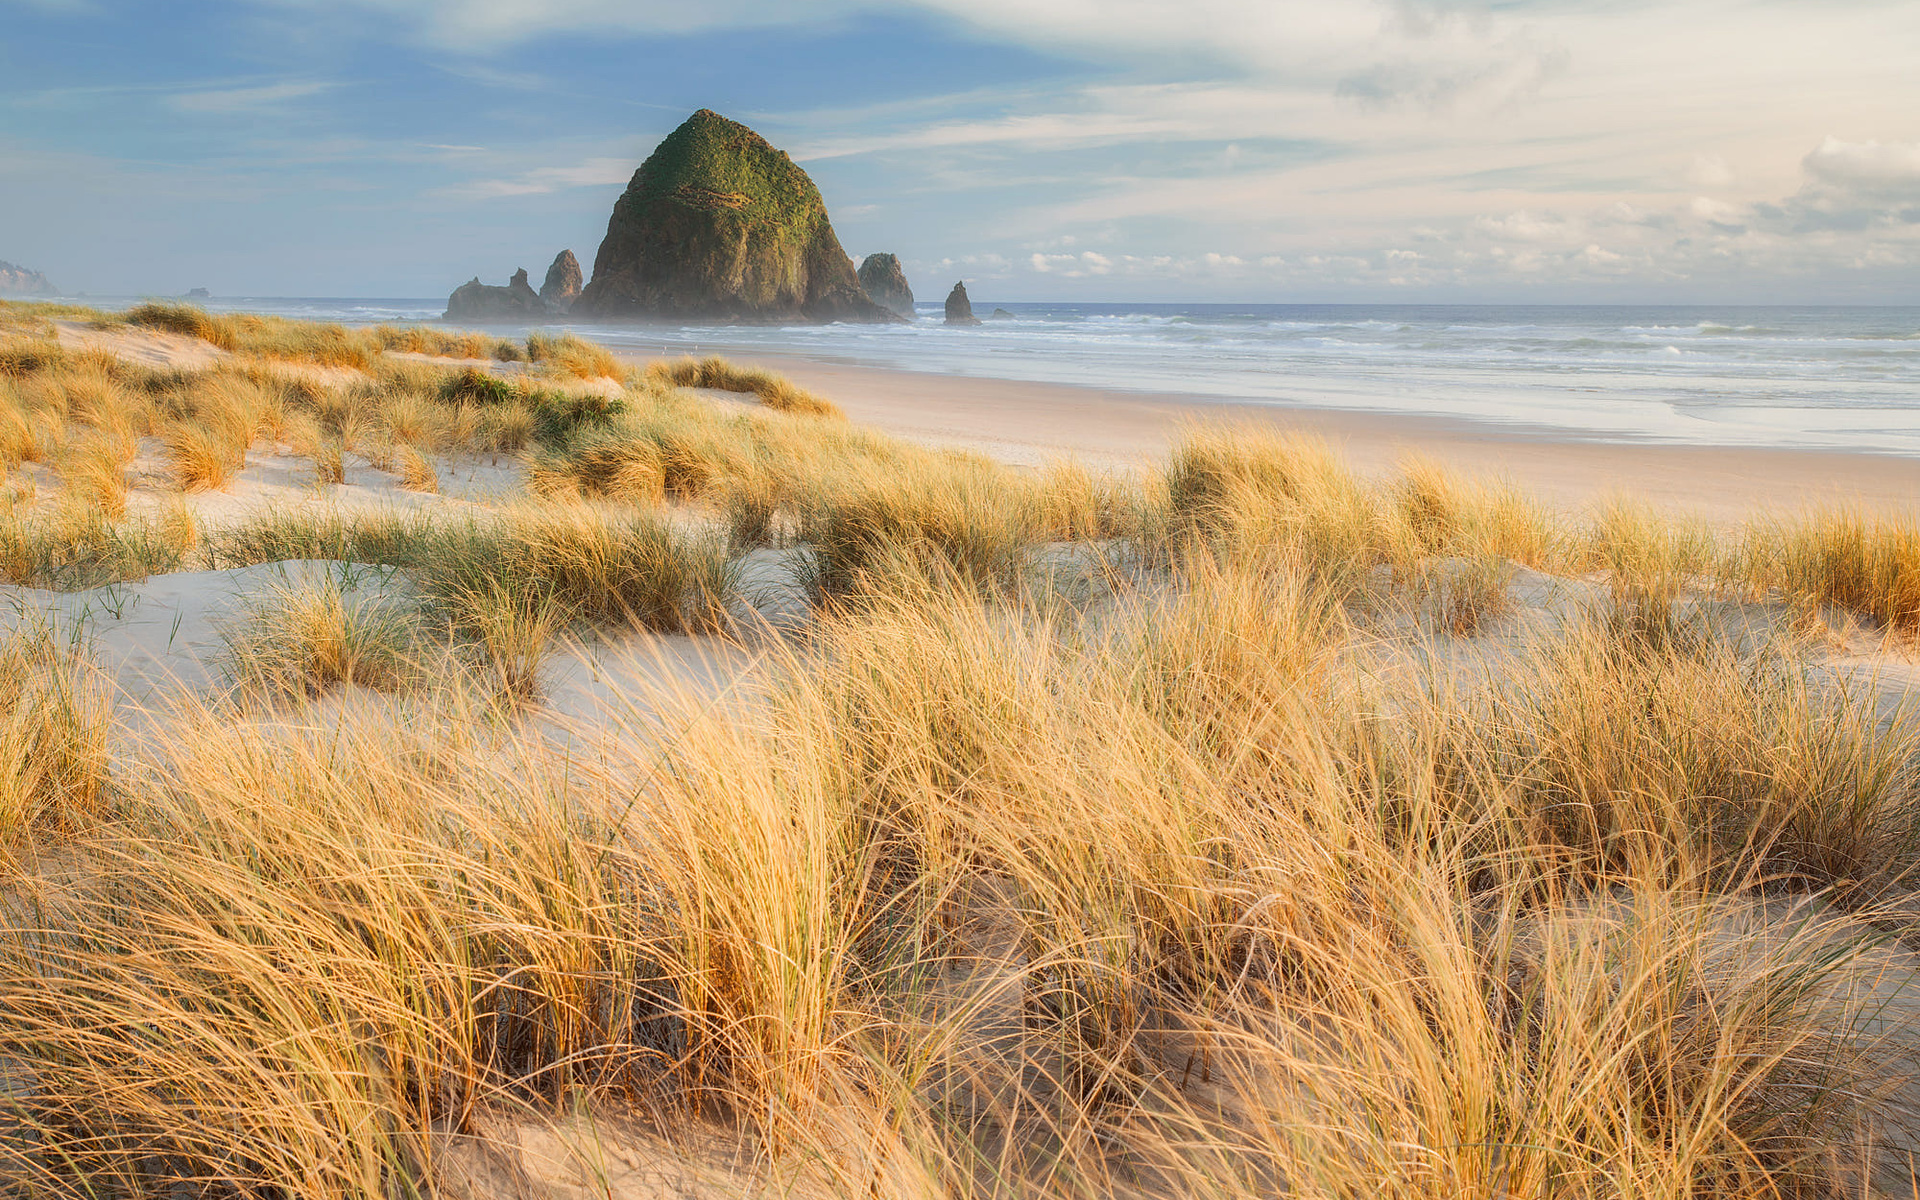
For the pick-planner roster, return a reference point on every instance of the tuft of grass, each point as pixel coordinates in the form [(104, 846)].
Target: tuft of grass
[(261, 337), (774, 390), (329, 462), (1650, 562), (1449, 515), (505, 428), (1078, 505), (416, 472), (1464, 594), (55, 778), (600, 565), (94, 474), (569, 356), (950, 518), (301, 638), (1241, 491), (412, 420), (512, 628), (187, 320), (608, 467), (1865, 563), (439, 343), (22, 357), (72, 547), (204, 459), (474, 386)]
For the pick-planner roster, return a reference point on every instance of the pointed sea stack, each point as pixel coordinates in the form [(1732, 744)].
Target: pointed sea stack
[(886, 283), (959, 308), (562, 285), (718, 225)]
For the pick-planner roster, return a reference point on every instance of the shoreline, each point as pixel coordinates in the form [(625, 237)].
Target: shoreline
[(1026, 424)]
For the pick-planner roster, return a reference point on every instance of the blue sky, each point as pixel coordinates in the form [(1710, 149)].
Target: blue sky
[(1399, 150)]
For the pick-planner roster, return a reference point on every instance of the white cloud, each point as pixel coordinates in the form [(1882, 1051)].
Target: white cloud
[(1868, 167), (594, 172), (244, 99), (1040, 131)]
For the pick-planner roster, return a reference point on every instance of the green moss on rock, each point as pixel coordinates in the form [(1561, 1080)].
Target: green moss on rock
[(717, 224)]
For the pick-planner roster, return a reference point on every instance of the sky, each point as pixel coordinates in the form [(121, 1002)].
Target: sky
[(1416, 151)]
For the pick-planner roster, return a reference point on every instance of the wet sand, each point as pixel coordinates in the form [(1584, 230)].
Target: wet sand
[(1029, 423)]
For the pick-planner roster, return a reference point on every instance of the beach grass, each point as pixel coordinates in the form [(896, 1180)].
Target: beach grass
[(1249, 825), (298, 638), (774, 390)]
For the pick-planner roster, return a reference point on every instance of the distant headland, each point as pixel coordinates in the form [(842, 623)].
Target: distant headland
[(19, 281)]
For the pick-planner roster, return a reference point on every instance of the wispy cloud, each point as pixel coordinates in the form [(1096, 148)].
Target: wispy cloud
[(244, 99), (594, 172)]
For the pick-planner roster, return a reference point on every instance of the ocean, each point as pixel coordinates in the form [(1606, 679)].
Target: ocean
[(1815, 377)]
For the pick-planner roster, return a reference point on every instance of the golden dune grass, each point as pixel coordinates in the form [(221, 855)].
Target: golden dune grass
[(774, 390), (1148, 906), (1191, 873)]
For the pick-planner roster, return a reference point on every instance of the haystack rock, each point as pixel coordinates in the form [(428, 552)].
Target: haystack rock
[(562, 286), (959, 308), (718, 225), (476, 301), (886, 283), (18, 281)]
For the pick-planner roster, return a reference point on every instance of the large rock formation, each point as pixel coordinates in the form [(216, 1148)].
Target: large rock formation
[(886, 283), (959, 308), (476, 301), (562, 286), (18, 281), (718, 225)]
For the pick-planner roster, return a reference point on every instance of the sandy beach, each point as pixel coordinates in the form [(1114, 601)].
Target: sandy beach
[(1028, 423)]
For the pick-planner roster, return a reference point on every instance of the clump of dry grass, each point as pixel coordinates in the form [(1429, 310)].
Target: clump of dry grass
[(951, 517), (72, 546), (1464, 594), (1079, 505), (302, 637), (1240, 490), (261, 337), (415, 470), (610, 467), (569, 356), (408, 888), (505, 429), (1447, 514), (54, 731), (774, 390), (600, 565), (329, 462), (1650, 562), (94, 473), (440, 343), (1866, 563), (204, 459), (512, 628)]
